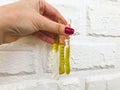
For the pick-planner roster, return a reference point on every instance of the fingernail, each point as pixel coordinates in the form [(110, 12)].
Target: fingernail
[(69, 30)]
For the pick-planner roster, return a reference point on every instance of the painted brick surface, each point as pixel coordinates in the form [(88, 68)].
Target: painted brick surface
[(23, 57), (113, 82), (43, 84), (103, 19), (16, 59), (95, 49), (109, 81), (96, 84), (12, 64), (92, 56)]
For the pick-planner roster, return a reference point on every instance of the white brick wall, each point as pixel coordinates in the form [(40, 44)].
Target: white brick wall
[(95, 51)]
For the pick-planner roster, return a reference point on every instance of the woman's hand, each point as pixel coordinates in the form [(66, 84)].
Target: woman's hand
[(31, 17)]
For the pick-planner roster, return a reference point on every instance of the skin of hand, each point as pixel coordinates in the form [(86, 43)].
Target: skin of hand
[(31, 17)]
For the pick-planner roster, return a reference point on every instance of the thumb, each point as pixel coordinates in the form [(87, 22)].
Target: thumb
[(48, 25)]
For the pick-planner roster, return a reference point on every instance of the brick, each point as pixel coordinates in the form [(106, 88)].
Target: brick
[(14, 62), (95, 83), (117, 55), (113, 81), (87, 56), (103, 19), (17, 58), (104, 81), (71, 83), (25, 57), (44, 84)]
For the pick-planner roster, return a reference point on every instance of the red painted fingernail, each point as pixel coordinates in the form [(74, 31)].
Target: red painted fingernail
[(69, 30)]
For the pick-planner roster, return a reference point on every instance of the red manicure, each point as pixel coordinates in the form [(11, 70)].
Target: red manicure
[(69, 30)]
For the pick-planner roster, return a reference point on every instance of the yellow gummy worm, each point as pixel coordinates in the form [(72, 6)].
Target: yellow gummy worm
[(61, 55), (67, 57), (55, 44), (61, 68)]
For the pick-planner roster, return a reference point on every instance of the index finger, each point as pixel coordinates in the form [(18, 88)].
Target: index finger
[(53, 14)]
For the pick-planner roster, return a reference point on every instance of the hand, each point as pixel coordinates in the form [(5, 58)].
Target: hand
[(32, 17)]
